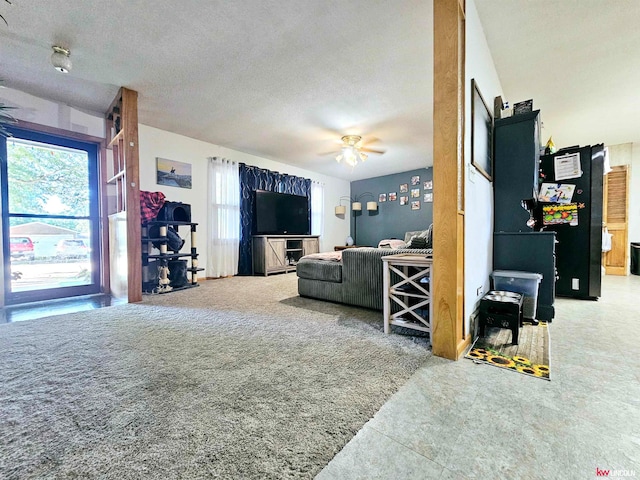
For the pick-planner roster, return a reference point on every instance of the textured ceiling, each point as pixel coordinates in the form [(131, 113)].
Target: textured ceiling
[(286, 79), (577, 60), (280, 79)]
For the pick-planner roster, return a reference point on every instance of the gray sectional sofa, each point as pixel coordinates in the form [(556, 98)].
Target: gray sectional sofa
[(354, 280)]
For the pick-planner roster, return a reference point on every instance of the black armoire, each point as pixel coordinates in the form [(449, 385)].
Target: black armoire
[(516, 171)]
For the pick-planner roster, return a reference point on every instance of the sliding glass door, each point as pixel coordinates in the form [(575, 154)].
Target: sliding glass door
[(50, 217)]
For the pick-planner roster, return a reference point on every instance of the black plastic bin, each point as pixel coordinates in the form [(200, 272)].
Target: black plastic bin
[(635, 258)]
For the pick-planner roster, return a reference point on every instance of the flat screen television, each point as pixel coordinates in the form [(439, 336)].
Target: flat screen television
[(280, 214)]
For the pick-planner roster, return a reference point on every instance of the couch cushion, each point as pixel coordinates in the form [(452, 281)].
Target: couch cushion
[(323, 270), (426, 234)]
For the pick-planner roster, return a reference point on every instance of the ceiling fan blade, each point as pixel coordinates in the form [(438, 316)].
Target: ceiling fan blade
[(372, 150), (332, 152)]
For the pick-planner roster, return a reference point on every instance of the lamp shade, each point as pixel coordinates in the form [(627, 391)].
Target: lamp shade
[(356, 206), (372, 206), (341, 210)]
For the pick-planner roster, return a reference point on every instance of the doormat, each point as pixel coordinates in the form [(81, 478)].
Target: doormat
[(530, 357)]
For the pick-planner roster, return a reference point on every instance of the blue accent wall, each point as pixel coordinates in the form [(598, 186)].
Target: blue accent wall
[(391, 220)]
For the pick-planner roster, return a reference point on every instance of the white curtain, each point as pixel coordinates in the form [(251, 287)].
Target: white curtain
[(224, 218), (317, 208)]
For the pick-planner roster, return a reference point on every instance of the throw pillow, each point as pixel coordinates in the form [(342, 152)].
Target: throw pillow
[(417, 242), (429, 236)]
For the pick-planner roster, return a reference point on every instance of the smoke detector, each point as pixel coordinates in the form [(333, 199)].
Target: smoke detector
[(60, 59)]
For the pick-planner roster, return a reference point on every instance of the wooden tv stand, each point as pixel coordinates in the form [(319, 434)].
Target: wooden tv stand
[(280, 253)]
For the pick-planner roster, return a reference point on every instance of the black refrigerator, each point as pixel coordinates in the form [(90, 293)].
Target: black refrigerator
[(570, 204)]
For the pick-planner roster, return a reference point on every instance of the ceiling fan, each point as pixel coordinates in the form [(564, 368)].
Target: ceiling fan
[(353, 150)]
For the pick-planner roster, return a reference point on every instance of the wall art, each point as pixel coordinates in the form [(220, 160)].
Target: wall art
[(172, 173)]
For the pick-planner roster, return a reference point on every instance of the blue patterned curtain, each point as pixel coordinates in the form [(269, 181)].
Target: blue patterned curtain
[(254, 178)]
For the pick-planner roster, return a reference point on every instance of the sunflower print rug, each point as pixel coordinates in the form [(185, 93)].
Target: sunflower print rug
[(530, 357)]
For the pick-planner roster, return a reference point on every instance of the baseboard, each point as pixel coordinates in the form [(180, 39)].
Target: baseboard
[(462, 346)]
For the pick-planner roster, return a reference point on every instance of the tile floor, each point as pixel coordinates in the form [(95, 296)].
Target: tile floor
[(32, 311), (460, 420)]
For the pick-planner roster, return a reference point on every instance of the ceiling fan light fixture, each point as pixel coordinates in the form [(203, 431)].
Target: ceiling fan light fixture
[(60, 59), (351, 152)]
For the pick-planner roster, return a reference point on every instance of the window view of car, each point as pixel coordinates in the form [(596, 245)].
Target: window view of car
[(21, 248), (71, 249)]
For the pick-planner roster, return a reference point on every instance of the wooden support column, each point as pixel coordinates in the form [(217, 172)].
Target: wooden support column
[(134, 245), (122, 134), (448, 178)]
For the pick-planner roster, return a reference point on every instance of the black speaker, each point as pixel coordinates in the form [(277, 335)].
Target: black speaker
[(175, 212)]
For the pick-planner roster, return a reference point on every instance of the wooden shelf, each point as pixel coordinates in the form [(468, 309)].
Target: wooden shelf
[(116, 139), (401, 322), (121, 194), (116, 177)]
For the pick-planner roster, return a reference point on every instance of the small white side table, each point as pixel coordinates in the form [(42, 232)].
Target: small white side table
[(412, 291)]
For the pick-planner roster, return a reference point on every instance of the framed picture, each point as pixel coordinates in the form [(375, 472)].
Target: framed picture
[(404, 200), (382, 197), (481, 133), (172, 173), (404, 187), (415, 205), (415, 180), (428, 185), (428, 197), (393, 196), (415, 193)]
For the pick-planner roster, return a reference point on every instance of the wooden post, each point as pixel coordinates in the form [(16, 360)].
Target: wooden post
[(122, 136), (448, 177)]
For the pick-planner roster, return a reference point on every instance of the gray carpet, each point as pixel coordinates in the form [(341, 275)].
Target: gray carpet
[(238, 378)]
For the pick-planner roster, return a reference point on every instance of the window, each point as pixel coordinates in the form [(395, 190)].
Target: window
[(317, 208)]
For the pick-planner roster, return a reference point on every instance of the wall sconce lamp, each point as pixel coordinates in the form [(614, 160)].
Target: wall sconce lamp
[(340, 210)]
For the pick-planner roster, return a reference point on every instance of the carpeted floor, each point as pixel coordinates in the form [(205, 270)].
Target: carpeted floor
[(238, 378)]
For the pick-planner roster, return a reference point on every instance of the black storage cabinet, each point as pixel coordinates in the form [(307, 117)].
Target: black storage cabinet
[(516, 171), (516, 160)]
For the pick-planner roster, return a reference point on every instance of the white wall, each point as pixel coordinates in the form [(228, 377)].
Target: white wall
[(634, 195), (629, 154), (53, 114), (159, 143), (478, 259)]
